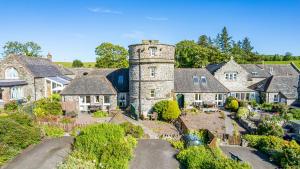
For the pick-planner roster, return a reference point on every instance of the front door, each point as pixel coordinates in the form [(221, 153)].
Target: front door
[(84, 102), (180, 100)]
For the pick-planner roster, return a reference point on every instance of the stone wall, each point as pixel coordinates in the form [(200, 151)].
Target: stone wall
[(163, 81)]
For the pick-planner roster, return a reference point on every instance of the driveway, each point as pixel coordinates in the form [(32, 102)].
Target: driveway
[(45, 155), (154, 153), (255, 158)]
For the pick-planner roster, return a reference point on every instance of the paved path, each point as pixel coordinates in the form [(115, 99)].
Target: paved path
[(45, 155), (154, 154), (255, 158), (229, 128)]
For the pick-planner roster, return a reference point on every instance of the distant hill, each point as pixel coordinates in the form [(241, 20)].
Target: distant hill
[(69, 64)]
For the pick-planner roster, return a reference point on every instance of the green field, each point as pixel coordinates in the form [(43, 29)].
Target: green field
[(92, 64), (69, 64)]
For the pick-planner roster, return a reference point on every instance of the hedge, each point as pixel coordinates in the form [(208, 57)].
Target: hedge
[(167, 110)]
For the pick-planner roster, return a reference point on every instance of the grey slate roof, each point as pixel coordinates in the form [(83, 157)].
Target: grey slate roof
[(286, 85), (12, 82), (89, 85), (112, 75), (212, 68), (184, 81), (40, 67), (267, 70)]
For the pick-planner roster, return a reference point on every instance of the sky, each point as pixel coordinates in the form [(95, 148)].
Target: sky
[(72, 29)]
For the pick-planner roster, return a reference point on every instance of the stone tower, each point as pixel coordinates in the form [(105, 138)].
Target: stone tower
[(151, 74)]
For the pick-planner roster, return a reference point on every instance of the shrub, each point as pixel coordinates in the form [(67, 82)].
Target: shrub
[(295, 113), (231, 103), (47, 106), (201, 157), (77, 63), (285, 153), (177, 144), (243, 103), (167, 110), (107, 144), (11, 106), (53, 131), (67, 120), (130, 129), (7, 153), (78, 160), (280, 107), (253, 103), (270, 126), (243, 112), (267, 107), (100, 114)]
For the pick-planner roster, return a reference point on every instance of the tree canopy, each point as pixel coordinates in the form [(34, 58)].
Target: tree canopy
[(111, 56), (30, 49), (77, 63)]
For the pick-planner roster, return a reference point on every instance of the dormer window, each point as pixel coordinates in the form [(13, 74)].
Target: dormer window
[(203, 80), (11, 73), (196, 80), (153, 51), (271, 70), (231, 76), (254, 73), (121, 80)]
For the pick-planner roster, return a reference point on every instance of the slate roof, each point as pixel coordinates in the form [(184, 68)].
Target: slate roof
[(113, 75), (267, 70), (212, 68), (183, 81), (89, 85), (41, 67), (286, 85), (12, 82)]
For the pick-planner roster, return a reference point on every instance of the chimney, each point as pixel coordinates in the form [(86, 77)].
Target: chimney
[(49, 56)]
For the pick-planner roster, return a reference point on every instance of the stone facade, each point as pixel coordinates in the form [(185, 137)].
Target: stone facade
[(189, 98), (151, 74)]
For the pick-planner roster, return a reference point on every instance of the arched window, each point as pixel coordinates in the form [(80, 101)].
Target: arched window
[(11, 73)]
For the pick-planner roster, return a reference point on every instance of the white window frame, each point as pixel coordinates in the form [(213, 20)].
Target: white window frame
[(276, 98), (197, 97), (153, 51), (231, 76), (11, 73), (105, 103), (122, 101), (152, 71), (152, 93), (16, 93), (203, 80), (195, 80)]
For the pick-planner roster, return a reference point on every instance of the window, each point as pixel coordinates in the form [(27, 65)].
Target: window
[(122, 99), (121, 80), (198, 97), (276, 98), (11, 73), (97, 99), (152, 71), (271, 69), (203, 80), (254, 73), (88, 99), (106, 100), (231, 76), (1, 97), (16, 93), (195, 80), (152, 93), (153, 51)]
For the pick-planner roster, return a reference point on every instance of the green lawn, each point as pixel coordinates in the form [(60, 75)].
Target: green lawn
[(69, 64)]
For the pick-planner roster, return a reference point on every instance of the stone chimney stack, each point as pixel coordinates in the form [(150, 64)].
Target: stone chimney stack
[(49, 56)]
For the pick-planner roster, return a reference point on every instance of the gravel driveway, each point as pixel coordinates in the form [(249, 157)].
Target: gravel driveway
[(154, 154), (45, 155), (255, 158)]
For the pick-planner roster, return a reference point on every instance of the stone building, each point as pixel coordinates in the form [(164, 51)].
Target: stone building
[(29, 78)]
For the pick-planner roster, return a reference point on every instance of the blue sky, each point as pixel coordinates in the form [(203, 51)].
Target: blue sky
[(71, 29)]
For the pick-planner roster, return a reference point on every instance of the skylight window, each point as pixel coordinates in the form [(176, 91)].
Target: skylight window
[(196, 80), (203, 80)]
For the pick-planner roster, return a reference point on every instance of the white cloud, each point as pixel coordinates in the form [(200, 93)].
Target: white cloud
[(157, 18), (106, 11), (134, 35)]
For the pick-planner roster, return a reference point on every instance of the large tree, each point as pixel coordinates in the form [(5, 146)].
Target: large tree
[(223, 41), (111, 56), (77, 63), (246, 45), (30, 49)]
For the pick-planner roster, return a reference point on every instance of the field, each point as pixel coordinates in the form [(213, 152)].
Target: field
[(92, 64), (69, 64)]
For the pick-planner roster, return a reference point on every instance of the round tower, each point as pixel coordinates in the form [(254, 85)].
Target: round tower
[(151, 74)]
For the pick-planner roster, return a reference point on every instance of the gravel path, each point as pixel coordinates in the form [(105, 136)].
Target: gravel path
[(45, 155), (154, 154)]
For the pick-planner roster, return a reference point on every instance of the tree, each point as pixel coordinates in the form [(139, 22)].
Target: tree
[(223, 41), (288, 56), (31, 49), (77, 63), (231, 103), (167, 110), (246, 45), (111, 56), (270, 126), (203, 41)]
